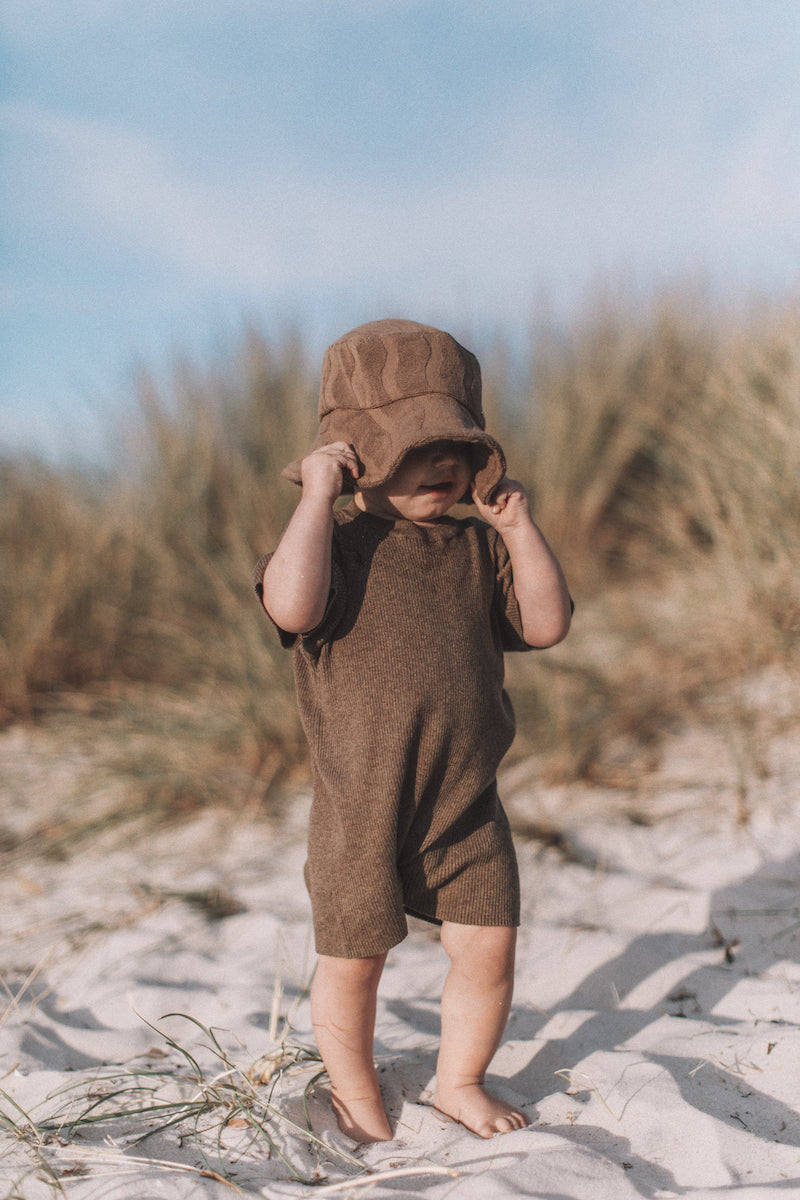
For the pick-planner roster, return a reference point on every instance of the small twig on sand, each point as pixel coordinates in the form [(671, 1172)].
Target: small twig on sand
[(382, 1177)]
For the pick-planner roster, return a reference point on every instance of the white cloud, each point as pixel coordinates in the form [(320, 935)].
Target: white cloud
[(125, 187), (169, 164), (500, 228), (636, 147)]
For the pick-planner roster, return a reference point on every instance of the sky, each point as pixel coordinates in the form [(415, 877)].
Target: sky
[(174, 169)]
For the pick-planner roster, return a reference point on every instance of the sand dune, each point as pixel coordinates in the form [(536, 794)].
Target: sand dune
[(654, 1038)]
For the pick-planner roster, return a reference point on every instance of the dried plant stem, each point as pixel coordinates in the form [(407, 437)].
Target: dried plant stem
[(382, 1177), (14, 999)]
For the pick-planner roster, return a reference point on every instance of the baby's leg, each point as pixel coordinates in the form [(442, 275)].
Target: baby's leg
[(475, 1004), (343, 1002)]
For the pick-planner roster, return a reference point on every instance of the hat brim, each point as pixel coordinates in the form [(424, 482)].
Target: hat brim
[(382, 437)]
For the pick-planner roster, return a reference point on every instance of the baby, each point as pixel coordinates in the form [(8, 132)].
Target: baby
[(398, 616)]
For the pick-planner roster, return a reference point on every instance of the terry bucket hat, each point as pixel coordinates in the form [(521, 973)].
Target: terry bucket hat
[(391, 386)]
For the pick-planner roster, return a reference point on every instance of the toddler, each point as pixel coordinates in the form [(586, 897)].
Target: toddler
[(398, 616)]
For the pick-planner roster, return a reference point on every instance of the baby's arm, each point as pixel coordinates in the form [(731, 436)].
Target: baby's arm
[(539, 584), (298, 576)]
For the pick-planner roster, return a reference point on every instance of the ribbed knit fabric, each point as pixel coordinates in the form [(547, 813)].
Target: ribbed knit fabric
[(401, 695)]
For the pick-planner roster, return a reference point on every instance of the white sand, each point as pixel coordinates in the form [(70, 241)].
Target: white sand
[(654, 1038)]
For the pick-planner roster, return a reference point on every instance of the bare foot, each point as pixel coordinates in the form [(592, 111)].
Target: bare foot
[(362, 1118), (479, 1110)]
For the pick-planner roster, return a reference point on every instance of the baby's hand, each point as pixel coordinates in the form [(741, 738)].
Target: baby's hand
[(508, 507), (321, 471)]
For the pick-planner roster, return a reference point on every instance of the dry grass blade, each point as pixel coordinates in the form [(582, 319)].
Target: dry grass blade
[(141, 1103), (30, 1137), (579, 1082), (384, 1177), (660, 443), (14, 998)]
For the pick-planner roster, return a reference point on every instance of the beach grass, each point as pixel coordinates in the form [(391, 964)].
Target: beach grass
[(203, 1103), (660, 443)]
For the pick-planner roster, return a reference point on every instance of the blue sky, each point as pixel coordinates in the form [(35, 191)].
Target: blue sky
[(172, 168)]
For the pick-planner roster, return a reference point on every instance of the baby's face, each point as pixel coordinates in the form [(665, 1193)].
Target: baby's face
[(428, 482)]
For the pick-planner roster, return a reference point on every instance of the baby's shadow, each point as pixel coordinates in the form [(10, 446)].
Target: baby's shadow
[(753, 929)]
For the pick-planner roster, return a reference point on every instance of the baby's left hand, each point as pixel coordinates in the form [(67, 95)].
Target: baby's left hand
[(508, 507)]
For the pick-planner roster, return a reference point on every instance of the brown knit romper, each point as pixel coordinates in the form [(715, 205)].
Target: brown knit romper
[(400, 691)]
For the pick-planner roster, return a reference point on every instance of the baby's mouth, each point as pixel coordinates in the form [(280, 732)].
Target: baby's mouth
[(439, 488)]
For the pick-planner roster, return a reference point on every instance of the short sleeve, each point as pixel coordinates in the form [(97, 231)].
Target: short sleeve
[(287, 639), (315, 639), (506, 607)]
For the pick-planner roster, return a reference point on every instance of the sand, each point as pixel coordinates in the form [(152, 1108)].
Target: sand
[(654, 1038)]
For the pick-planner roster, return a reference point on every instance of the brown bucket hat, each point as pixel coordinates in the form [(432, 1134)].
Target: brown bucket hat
[(391, 386)]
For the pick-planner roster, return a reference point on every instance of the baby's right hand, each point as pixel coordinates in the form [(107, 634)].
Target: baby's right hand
[(321, 470)]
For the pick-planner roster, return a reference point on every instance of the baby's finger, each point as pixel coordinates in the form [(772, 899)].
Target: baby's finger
[(500, 495), (509, 491), (350, 456), (343, 454), (349, 460), (353, 462), (490, 506)]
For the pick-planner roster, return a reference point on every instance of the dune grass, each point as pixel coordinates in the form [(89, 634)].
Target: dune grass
[(203, 1098), (661, 446)]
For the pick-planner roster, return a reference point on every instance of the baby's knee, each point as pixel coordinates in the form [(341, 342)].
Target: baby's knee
[(484, 949), (351, 972)]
